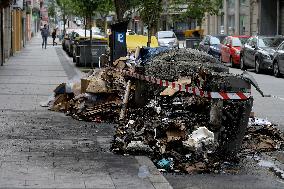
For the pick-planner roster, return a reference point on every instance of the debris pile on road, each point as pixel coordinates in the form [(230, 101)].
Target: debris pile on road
[(263, 138), (96, 97), (181, 131)]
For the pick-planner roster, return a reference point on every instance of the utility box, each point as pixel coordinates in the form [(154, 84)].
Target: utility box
[(117, 40)]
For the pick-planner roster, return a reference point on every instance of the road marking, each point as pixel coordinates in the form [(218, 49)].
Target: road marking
[(278, 97)]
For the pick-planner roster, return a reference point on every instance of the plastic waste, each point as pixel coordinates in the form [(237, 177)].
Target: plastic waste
[(165, 163), (48, 102), (259, 122)]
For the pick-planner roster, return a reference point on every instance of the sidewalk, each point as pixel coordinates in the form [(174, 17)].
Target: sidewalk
[(44, 149)]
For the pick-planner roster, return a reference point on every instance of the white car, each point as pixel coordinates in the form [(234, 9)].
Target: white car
[(167, 39)]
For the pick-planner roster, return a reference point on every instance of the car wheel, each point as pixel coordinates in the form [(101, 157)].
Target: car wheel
[(257, 66), (276, 72), (243, 66)]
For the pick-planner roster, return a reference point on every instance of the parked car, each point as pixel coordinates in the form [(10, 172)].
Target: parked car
[(212, 45), (167, 39), (258, 52), (278, 61), (230, 49)]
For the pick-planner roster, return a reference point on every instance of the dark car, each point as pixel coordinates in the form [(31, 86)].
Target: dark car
[(278, 61), (212, 45), (258, 53)]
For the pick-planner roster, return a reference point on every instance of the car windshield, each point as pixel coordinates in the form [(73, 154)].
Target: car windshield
[(214, 41), (169, 34), (243, 40), (221, 37), (270, 42), (236, 42)]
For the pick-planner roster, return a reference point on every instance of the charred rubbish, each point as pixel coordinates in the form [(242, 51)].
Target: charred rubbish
[(185, 132), (179, 130)]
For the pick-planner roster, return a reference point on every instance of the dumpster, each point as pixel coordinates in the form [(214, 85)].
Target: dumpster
[(88, 55), (192, 42)]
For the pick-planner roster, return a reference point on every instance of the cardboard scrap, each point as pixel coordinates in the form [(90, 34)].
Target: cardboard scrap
[(169, 91), (175, 134)]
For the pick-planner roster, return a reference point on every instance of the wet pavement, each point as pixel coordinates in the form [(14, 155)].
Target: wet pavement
[(44, 149)]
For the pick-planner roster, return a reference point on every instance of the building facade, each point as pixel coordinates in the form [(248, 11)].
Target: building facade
[(16, 25), (247, 17)]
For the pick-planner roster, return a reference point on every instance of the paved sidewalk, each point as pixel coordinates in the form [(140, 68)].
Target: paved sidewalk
[(43, 149)]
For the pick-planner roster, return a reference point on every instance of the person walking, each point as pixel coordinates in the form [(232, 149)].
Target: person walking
[(44, 34), (54, 36)]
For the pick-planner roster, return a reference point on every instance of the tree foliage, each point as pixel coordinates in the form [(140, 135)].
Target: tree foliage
[(196, 9), (150, 12), (124, 8), (51, 8)]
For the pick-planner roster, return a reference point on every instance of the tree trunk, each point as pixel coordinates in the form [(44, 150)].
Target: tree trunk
[(149, 36), (64, 23), (120, 9), (105, 20), (85, 22)]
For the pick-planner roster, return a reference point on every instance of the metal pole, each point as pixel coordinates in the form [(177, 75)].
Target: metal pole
[(85, 54)]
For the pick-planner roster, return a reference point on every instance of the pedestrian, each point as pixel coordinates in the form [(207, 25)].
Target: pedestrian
[(44, 34), (54, 36)]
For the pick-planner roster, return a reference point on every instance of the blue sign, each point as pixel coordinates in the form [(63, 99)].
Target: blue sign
[(120, 37)]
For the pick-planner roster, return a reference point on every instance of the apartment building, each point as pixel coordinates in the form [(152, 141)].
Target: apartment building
[(247, 17)]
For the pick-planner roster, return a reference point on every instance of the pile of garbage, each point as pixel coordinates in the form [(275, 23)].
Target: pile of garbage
[(96, 97), (179, 131), (262, 136)]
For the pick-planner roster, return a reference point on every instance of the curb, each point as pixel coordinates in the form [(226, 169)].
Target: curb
[(155, 177)]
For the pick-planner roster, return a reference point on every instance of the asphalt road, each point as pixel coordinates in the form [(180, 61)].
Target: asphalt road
[(272, 107)]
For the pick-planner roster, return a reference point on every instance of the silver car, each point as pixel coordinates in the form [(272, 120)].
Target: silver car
[(167, 39)]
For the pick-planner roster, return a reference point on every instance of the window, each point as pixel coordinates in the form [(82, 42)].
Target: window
[(243, 2), (214, 41), (231, 4), (236, 42), (252, 42), (281, 47), (270, 42), (207, 39), (166, 34)]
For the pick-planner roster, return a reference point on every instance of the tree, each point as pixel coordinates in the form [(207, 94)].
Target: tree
[(104, 8), (196, 9), (124, 8), (150, 12), (66, 7)]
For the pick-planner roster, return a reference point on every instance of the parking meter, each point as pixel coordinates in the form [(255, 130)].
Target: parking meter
[(117, 40)]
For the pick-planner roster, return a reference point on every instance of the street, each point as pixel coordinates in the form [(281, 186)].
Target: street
[(268, 107)]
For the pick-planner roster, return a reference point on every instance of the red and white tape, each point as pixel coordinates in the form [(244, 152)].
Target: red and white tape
[(189, 89)]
